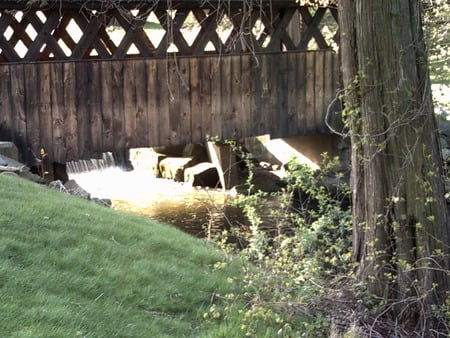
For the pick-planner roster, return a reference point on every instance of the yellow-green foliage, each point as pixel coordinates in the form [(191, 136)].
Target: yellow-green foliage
[(437, 33), (288, 272)]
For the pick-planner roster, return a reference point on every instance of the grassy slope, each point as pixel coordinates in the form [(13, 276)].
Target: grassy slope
[(70, 268)]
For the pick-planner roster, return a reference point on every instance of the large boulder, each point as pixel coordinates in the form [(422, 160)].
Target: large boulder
[(73, 188), (8, 149), (203, 174), (444, 127), (11, 166), (267, 181), (3, 162), (262, 180), (444, 138)]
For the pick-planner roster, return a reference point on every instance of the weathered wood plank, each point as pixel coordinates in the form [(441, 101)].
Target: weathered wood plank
[(310, 109), (205, 76), (302, 117), (174, 101), (18, 105), (118, 108), (206, 71), (153, 86), (95, 111), (140, 82), (31, 107), (196, 101), (328, 94), (264, 95), (257, 92), (71, 125), (6, 120), (237, 96), (292, 99), (230, 79), (244, 118), (58, 115), (271, 119), (216, 98), (107, 106), (319, 83), (336, 82), (185, 113), (235, 123), (129, 98), (83, 77), (163, 95), (279, 118)]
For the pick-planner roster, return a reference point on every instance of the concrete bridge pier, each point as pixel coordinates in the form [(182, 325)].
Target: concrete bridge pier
[(224, 158)]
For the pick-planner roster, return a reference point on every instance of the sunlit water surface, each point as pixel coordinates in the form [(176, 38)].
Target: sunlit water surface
[(195, 210)]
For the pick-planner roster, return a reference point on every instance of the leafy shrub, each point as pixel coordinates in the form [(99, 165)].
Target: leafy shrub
[(290, 262)]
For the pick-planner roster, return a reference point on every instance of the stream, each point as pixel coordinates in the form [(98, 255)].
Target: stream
[(198, 211)]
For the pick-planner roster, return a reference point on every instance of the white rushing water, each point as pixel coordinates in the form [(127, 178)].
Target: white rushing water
[(114, 183)]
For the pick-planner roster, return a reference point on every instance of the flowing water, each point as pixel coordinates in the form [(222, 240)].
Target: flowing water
[(198, 211)]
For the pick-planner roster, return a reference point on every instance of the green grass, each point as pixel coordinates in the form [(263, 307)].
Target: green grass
[(70, 268)]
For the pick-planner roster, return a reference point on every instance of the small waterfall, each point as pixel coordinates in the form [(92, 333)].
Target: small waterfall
[(108, 160), (201, 212)]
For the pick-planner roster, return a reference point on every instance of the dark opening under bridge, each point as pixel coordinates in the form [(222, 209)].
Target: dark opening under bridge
[(79, 78)]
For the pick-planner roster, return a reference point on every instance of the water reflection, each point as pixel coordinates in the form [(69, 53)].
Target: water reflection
[(200, 212), (200, 217)]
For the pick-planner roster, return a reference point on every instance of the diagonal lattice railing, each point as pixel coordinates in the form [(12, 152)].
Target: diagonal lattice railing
[(146, 30)]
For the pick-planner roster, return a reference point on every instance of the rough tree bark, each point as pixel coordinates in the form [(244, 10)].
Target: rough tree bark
[(401, 233)]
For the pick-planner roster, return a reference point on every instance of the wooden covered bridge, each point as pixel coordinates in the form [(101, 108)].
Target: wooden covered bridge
[(82, 77)]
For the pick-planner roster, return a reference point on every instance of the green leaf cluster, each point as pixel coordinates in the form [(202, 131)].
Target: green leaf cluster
[(290, 261)]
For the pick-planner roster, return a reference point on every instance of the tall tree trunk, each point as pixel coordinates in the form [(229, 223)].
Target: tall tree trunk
[(349, 70), (399, 209)]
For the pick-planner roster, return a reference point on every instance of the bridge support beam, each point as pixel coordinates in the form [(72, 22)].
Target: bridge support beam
[(224, 158)]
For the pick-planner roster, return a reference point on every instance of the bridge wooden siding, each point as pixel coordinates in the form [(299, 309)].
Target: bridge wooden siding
[(81, 109), (69, 85)]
